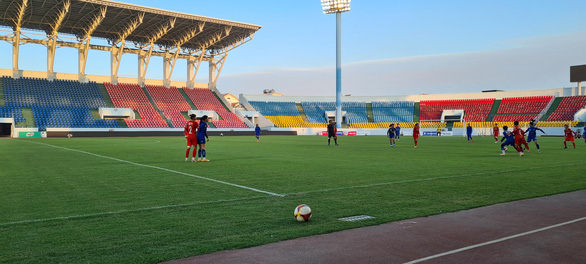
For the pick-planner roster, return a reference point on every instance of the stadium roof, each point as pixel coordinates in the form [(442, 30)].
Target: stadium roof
[(117, 21)]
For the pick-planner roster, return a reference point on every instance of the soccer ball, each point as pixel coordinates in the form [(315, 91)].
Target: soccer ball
[(69, 135), (221, 134), (302, 213)]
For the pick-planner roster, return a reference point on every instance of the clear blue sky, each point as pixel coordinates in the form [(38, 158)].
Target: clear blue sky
[(407, 41)]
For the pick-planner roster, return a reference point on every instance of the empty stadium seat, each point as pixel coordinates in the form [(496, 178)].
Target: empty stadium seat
[(171, 102), (476, 110), (57, 103), (567, 108), (132, 96), (204, 99)]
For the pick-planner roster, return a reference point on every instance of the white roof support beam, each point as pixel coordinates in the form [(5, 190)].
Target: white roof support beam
[(52, 38), (117, 51), (84, 42), (144, 57), (169, 60), (215, 70), (193, 62), (21, 8)]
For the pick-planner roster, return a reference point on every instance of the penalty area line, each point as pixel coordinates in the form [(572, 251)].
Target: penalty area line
[(163, 169), (495, 241)]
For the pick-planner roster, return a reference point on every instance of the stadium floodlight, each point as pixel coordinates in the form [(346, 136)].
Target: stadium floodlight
[(337, 7)]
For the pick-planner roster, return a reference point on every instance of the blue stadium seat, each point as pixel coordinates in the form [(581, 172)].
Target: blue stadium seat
[(57, 103)]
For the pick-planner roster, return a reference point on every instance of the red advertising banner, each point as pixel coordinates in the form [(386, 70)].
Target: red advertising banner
[(351, 133)]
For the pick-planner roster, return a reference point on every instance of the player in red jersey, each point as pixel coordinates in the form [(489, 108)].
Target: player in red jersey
[(569, 136), (496, 132), (191, 136), (519, 138), (416, 133)]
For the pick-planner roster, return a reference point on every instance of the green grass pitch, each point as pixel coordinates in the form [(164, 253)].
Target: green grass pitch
[(135, 200)]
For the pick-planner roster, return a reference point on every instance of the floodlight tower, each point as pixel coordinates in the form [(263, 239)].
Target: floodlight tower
[(338, 7)]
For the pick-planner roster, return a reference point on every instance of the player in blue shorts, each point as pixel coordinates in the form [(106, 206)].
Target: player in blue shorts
[(257, 133), (391, 133), (397, 132), (469, 133), (509, 139), (532, 130), (202, 138)]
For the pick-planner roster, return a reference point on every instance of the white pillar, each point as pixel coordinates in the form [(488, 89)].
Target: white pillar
[(212, 73), (82, 61), (166, 71), (190, 83), (141, 69), (51, 57), (15, 53)]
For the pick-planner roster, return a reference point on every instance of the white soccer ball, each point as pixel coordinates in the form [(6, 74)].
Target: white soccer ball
[(302, 213), (221, 134), (69, 135)]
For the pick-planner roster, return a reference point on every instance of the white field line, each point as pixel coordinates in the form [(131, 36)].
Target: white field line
[(159, 168), (495, 241), (129, 211), (428, 179)]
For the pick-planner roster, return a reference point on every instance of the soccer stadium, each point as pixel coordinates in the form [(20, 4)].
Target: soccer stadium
[(93, 169)]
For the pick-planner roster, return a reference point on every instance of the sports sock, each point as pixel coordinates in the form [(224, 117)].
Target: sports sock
[(187, 153), (537, 145), (329, 141), (526, 146), (565, 145), (199, 153), (573, 143), (203, 153), (193, 154), (336, 141), (416, 143)]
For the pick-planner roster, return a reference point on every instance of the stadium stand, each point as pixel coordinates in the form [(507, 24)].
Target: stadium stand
[(511, 118), (171, 102), (403, 125), (276, 108), (567, 108), (57, 103), (204, 99), (475, 110), (126, 95), (12, 112), (355, 111), (292, 121), (522, 105), (393, 111)]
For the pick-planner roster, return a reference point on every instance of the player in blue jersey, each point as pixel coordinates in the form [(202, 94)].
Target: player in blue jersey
[(397, 132), (509, 139), (391, 133), (202, 138), (257, 133), (532, 130), (469, 133), (584, 135)]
